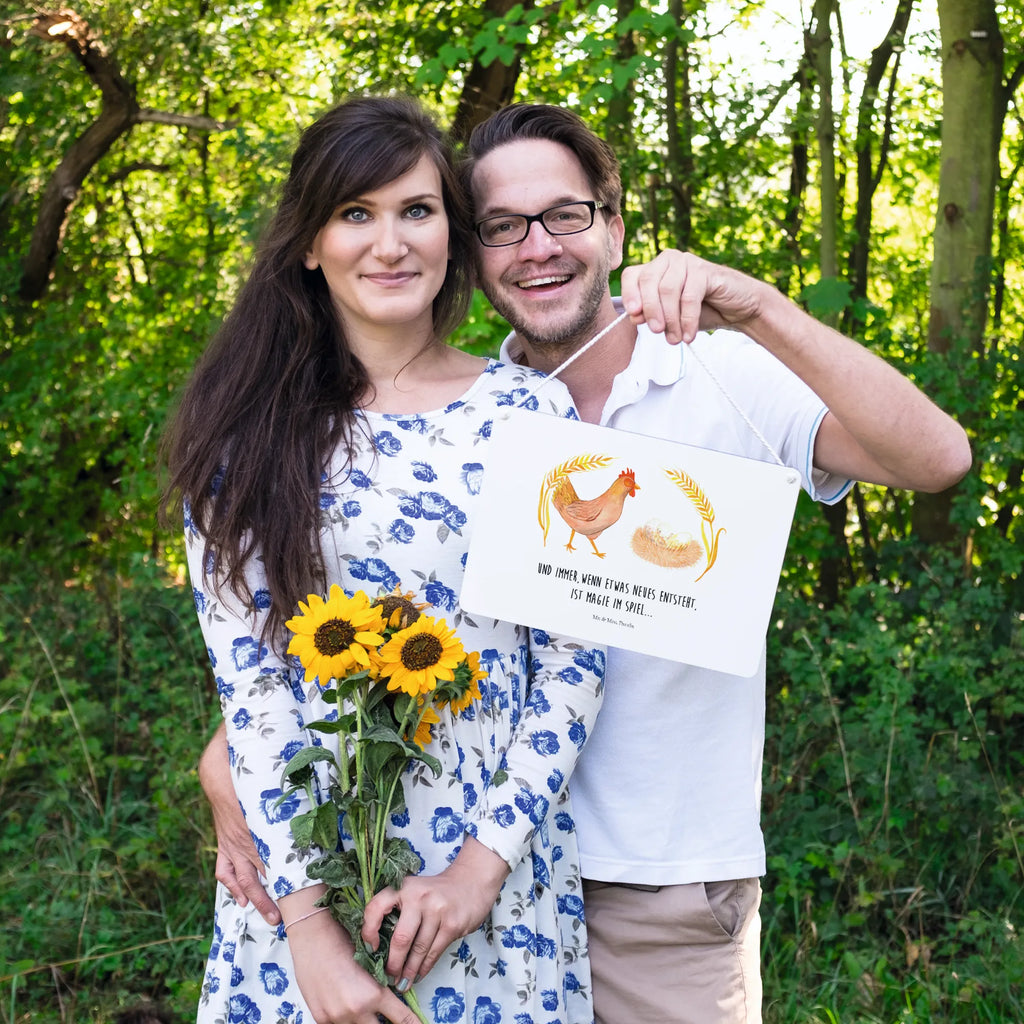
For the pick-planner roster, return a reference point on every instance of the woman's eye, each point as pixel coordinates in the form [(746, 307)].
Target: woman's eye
[(419, 211), (355, 214)]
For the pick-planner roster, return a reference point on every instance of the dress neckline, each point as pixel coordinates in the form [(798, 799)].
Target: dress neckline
[(372, 415)]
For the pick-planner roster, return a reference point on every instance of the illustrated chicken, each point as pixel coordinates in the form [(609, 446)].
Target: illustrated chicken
[(591, 518)]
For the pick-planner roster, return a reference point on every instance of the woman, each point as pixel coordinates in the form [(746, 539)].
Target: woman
[(329, 435)]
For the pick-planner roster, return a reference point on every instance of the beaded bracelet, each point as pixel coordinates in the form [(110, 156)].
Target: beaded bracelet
[(312, 913)]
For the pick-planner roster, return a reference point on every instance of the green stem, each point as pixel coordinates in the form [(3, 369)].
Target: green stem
[(405, 727), (360, 832), (382, 822), (414, 1004)]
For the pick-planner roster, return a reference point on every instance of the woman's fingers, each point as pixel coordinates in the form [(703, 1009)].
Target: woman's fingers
[(373, 916)]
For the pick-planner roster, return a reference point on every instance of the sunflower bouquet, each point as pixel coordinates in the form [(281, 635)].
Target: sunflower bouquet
[(389, 668)]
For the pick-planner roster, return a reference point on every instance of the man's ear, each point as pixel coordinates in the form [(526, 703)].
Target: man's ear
[(616, 236)]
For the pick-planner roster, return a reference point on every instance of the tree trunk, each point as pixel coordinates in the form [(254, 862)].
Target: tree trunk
[(487, 89), (869, 172), (818, 45), (679, 131), (619, 122), (119, 113), (819, 52), (796, 196), (973, 103)]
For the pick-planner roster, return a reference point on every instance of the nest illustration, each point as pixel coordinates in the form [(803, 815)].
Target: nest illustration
[(654, 544)]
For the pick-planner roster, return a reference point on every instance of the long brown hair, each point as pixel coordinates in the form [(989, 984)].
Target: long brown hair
[(274, 394)]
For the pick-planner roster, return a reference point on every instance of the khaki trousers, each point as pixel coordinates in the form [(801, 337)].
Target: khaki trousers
[(675, 954)]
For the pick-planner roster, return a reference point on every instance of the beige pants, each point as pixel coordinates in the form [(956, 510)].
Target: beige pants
[(678, 954)]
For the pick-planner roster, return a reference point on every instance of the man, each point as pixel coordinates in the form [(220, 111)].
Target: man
[(667, 791)]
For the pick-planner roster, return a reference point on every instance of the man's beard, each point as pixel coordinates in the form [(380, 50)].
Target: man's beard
[(570, 334)]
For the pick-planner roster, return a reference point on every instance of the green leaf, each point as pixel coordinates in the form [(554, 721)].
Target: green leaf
[(338, 869), (325, 826), (298, 770), (452, 55), (372, 963), (350, 685), (399, 860), (378, 695), (330, 726), (302, 826), (828, 297), (428, 759)]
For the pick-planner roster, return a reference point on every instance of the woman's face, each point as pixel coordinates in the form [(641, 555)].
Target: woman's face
[(384, 254)]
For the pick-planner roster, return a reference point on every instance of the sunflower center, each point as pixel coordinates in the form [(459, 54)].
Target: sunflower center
[(421, 651), (391, 603), (334, 636)]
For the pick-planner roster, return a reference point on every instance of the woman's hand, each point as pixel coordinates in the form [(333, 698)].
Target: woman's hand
[(238, 865), (435, 910), (336, 989)]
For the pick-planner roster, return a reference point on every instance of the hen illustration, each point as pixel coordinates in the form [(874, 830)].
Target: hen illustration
[(591, 518)]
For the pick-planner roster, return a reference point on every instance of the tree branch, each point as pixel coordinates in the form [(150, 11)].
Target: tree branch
[(115, 119), (1014, 80), (119, 112), (206, 124)]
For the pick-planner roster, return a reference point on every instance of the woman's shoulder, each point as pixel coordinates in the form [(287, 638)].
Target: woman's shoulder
[(515, 372), (519, 385)]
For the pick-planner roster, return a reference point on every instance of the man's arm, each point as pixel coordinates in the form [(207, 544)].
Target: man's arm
[(881, 428), (238, 864)]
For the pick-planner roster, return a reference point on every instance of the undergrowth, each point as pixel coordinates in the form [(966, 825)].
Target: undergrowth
[(105, 869), (893, 803)]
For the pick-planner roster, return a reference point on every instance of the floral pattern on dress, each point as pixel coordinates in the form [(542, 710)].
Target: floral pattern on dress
[(400, 513)]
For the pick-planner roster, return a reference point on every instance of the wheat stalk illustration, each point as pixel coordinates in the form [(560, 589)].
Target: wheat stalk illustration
[(705, 510), (577, 464)]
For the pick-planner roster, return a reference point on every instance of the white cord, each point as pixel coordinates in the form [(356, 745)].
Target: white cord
[(572, 359), (718, 384), (743, 416)]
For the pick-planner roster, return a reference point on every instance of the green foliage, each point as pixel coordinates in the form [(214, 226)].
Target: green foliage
[(893, 800), (104, 703), (893, 773)]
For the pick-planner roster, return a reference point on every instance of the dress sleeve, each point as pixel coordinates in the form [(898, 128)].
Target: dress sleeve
[(263, 704), (566, 682)]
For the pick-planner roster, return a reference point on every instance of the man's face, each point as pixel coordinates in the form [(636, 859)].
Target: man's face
[(552, 289)]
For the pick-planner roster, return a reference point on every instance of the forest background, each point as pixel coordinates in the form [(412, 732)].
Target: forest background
[(865, 157)]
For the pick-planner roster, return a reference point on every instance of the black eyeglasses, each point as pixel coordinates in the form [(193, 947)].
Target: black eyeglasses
[(564, 219)]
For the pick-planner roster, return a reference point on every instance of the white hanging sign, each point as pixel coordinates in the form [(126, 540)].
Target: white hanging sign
[(630, 541)]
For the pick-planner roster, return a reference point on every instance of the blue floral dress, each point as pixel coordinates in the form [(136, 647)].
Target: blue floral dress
[(402, 515)]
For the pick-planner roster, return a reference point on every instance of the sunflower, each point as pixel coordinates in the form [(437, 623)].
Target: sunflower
[(417, 657), (423, 734), (399, 609), (463, 690), (332, 636)]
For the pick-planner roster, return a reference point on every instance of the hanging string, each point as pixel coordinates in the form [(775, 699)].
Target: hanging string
[(572, 359), (743, 416), (691, 350)]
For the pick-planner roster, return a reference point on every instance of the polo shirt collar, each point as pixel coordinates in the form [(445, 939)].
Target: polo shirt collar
[(654, 361)]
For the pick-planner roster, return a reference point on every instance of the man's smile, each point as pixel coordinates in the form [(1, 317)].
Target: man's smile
[(537, 282)]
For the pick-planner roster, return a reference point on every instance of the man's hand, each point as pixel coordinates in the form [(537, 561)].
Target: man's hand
[(238, 864), (680, 294), (879, 428), (435, 910)]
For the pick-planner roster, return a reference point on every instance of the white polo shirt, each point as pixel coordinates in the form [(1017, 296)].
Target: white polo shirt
[(668, 788)]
